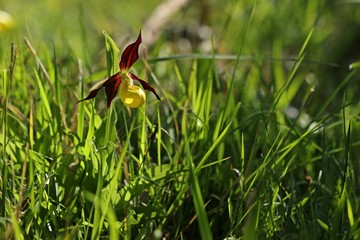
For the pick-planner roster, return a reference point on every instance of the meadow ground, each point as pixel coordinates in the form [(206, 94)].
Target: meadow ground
[(256, 135)]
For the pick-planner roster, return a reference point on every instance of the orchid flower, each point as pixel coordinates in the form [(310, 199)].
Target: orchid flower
[(130, 94)]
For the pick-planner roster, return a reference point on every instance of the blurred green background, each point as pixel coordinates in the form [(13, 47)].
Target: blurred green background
[(277, 29), (267, 35)]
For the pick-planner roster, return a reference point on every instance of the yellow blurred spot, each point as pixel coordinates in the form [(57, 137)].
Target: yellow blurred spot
[(6, 21)]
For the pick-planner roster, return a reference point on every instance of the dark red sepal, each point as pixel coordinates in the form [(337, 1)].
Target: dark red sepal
[(145, 85), (130, 54), (92, 94), (111, 86)]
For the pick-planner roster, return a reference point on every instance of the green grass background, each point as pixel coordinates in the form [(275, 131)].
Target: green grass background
[(256, 136)]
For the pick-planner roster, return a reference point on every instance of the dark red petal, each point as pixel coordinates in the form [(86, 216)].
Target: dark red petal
[(145, 85), (111, 86), (130, 54)]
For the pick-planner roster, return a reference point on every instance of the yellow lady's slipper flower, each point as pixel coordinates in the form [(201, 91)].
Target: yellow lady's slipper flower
[(131, 95)]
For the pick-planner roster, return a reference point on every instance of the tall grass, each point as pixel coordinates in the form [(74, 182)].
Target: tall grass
[(260, 142)]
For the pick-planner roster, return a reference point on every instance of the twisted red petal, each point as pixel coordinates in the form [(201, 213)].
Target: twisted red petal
[(145, 85), (111, 86), (130, 54)]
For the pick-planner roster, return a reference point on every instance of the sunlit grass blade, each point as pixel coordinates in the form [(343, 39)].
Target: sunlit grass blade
[(202, 219), (212, 148), (4, 143), (158, 136), (252, 222), (80, 118), (143, 137), (57, 85), (14, 228), (112, 52), (286, 85), (354, 65), (338, 215), (44, 99)]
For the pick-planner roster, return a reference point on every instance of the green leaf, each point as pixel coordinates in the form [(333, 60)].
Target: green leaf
[(112, 52), (43, 96)]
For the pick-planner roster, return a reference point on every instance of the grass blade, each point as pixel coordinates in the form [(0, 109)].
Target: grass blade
[(202, 219), (212, 148)]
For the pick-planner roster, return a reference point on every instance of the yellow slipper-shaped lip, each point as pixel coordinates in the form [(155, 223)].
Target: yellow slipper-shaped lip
[(132, 96)]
